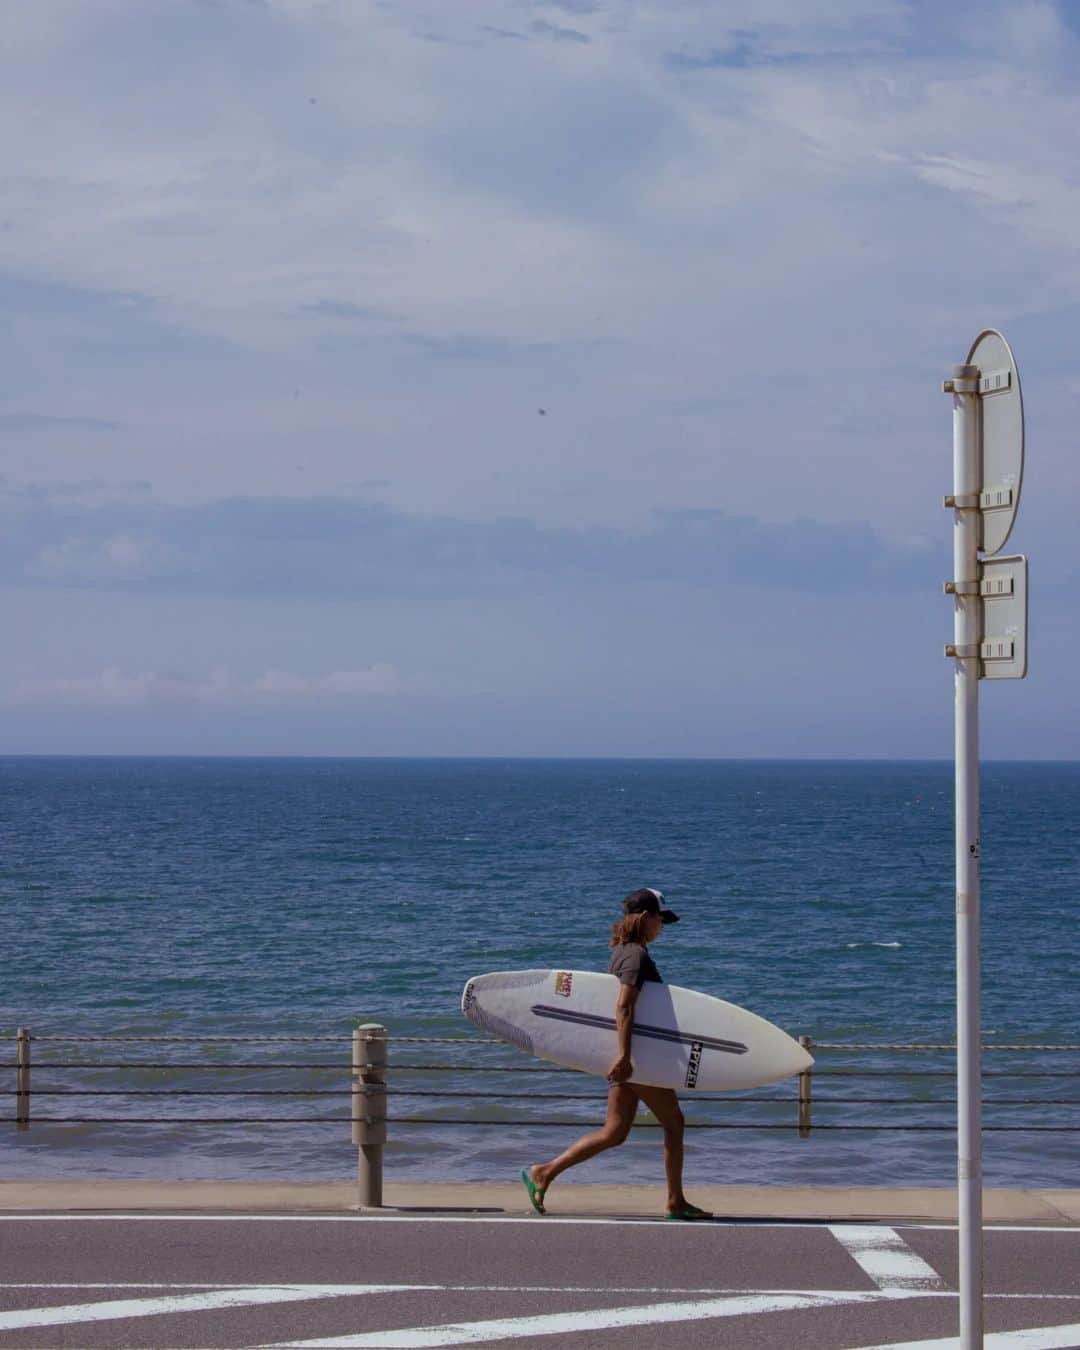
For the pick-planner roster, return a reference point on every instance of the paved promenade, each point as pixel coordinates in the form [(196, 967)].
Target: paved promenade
[(929, 1204), (105, 1264)]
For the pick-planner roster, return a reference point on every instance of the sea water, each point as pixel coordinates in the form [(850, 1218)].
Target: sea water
[(188, 897)]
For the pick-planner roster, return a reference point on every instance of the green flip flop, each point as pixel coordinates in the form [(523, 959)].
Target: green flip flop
[(536, 1193), (688, 1214)]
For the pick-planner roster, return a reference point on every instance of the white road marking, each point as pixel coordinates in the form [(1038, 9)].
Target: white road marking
[(884, 1255), (720, 1303), (344, 1289), (1032, 1338), (248, 1296), (439, 1288), (1066, 1226), (1060, 1298), (551, 1221), (591, 1319)]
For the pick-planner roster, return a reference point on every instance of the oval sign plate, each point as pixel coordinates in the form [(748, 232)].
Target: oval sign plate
[(1002, 410)]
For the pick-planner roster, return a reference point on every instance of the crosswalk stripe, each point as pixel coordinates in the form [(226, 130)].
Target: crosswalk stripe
[(112, 1309), (1031, 1338), (884, 1255), (592, 1319)]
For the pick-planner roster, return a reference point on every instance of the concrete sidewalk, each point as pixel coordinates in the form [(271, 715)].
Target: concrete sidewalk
[(835, 1204)]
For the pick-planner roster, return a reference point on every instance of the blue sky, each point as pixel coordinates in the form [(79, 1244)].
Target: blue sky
[(499, 377)]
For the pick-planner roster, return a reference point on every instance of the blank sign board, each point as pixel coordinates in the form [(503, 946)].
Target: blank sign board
[(1001, 408), (1004, 594)]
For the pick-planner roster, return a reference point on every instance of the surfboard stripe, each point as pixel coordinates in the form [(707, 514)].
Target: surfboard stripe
[(640, 1029)]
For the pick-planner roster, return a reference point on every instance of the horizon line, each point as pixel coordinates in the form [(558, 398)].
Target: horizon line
[(524, 758)]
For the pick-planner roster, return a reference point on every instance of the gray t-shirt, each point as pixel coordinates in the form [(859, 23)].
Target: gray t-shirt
[(631, 964)]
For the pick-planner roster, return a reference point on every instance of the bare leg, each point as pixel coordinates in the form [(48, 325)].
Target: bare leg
[(664, 1105), (622, 1104)]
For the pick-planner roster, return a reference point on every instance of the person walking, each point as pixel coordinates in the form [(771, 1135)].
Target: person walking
[(644, 919)]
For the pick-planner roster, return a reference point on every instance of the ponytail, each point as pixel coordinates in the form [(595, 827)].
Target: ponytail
[(630, 928)]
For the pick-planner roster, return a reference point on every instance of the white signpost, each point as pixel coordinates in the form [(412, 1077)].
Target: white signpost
[(989, 642)]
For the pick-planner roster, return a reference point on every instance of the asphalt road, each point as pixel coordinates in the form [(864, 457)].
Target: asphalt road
[(402, 1281)]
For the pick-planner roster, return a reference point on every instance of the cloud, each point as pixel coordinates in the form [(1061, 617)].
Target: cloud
[(558, 34), (729, 249), (345, 157), (342, 309), (381, 678), (576, 6), (30, 421), (374, 249), (83, 487), (354, 548), (1043, 204), (114, 688)]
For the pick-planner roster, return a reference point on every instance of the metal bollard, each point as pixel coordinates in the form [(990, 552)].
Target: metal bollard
[(369, 1110), (22, 1079), (805, 1091)]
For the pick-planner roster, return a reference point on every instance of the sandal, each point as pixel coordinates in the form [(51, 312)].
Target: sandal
[(688, 1214), (536, 1193)]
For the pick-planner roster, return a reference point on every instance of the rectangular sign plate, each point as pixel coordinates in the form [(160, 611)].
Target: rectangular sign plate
[(1004, 592)]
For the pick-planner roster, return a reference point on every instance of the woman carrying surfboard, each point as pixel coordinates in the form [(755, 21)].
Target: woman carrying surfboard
[(644, 917)]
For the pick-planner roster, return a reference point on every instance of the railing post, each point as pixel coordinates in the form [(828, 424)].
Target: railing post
[(369, 1110), (805, 1091), (22, 1079)]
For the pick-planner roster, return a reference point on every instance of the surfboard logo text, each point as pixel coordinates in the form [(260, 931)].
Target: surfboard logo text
[(564, 980), (693, 1068)]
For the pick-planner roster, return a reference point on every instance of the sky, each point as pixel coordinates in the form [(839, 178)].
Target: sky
[(507, 377)]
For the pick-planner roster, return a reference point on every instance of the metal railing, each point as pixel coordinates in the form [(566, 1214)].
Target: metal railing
[(368, 1090)]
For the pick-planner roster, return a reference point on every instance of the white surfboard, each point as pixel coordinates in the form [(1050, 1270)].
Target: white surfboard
[(681, 1039)]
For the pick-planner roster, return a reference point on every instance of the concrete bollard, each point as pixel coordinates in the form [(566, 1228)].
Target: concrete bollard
[(369, 1110), (804, 1092)]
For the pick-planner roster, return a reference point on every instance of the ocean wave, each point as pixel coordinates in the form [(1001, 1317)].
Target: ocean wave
[(850, 945)]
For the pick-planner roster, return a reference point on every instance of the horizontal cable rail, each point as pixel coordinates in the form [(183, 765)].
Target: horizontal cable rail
[(365, 1097), (527, 1096), (936, 1073), (172, 1064), (502, 1068), (922, 1045), (726, 1125), (339, 1039), (531, 1124)]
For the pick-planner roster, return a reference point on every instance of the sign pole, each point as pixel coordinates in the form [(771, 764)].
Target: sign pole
[(990, 624), (967, 474)]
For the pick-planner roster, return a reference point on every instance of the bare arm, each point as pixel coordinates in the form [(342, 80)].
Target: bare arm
[(621, 1070)]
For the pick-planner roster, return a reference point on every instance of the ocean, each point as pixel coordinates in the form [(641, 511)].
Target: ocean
[(293, 897)]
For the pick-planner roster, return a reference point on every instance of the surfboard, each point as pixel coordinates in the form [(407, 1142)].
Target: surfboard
[(682, 1039)]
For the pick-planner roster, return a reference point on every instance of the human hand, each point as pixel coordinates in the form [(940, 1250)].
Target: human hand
[(621, 1070)]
